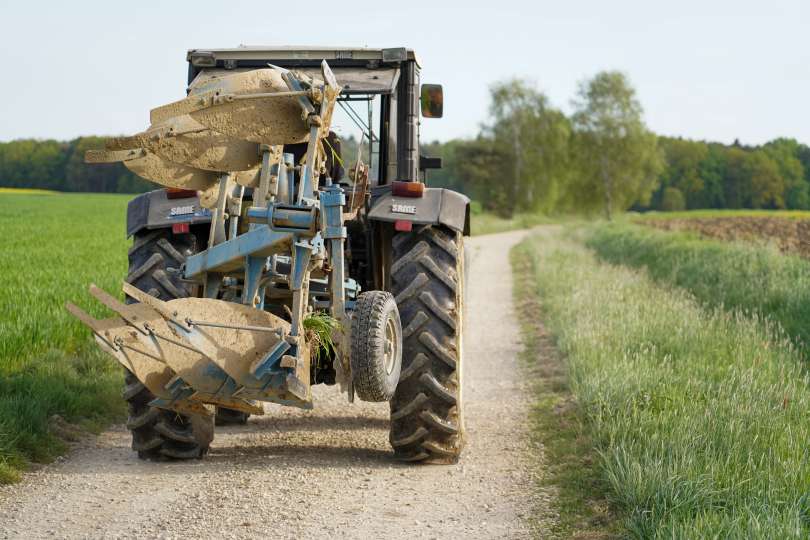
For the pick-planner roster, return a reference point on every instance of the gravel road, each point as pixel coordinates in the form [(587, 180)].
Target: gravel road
[(326, 473)]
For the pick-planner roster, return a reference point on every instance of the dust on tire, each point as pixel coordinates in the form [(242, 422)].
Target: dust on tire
[(427, 279)]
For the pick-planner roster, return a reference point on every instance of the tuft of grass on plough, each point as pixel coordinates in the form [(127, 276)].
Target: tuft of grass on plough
[(320, 327)]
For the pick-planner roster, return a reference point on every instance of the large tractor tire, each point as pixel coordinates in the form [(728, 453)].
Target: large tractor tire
[(155, 259), (158, 433), (154, 267), (427, 279)]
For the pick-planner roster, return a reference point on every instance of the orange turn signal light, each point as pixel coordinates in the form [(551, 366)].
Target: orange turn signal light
[(407, 189)]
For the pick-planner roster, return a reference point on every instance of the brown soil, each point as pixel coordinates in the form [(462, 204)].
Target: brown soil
[(788, 235)]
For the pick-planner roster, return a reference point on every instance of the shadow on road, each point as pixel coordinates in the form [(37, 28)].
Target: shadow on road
[(298, 442), (307, 456), (302, 422)]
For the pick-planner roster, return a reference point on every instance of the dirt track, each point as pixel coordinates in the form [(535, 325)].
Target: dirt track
[(326, 473)]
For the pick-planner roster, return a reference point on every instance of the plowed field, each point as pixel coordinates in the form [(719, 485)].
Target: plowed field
[(790, 235)]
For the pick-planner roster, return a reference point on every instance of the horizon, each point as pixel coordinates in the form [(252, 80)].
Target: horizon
[(740, 74)]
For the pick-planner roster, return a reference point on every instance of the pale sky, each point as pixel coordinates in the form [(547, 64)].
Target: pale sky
[(716, 70)]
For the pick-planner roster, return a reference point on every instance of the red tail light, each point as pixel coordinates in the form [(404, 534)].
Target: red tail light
[(407, 189), (180, 228), (402, 225)]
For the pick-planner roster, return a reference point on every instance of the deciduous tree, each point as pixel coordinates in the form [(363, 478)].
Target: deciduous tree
[(533, 136), (619, 161)]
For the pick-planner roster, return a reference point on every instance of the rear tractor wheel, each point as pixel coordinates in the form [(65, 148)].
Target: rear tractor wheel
[(427, 276), (154, 267)]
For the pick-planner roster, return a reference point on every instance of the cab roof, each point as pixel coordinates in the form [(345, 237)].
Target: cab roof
[(291, 54)]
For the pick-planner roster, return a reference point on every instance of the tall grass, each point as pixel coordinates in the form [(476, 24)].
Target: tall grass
[(699, 415), (752, 278), (568, 466), (51, 248)]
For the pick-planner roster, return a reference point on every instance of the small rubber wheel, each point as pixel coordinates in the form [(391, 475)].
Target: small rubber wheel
[(376, 346)]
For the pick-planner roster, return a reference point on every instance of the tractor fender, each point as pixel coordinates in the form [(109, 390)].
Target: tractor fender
[(154, 210), (437, 206)]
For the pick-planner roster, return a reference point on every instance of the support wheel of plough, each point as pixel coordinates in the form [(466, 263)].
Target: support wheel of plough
[(427, 278), (154, 267), (376, 346)]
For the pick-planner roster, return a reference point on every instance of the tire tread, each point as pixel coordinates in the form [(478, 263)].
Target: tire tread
[(426, 423), (160, 433)]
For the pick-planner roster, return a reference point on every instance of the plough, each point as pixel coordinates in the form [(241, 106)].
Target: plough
[(258, 236)]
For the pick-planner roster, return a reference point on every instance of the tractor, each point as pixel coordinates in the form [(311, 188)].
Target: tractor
[(279, 254)]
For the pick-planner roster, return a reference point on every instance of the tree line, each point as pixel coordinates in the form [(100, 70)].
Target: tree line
[(775, 175), (59, 165), (528, 157), (531, 157)]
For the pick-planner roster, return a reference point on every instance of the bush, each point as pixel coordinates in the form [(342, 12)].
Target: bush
[(672, 200)]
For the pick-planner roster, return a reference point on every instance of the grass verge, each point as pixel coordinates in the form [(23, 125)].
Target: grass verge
[(754, 279), (487, 223), (698, 415), (570, 467), (50, 372)]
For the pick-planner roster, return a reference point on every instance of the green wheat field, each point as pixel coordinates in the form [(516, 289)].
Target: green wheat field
[(52, 246)]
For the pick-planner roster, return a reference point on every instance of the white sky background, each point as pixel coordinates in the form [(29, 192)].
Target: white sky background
[(706, 69)]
